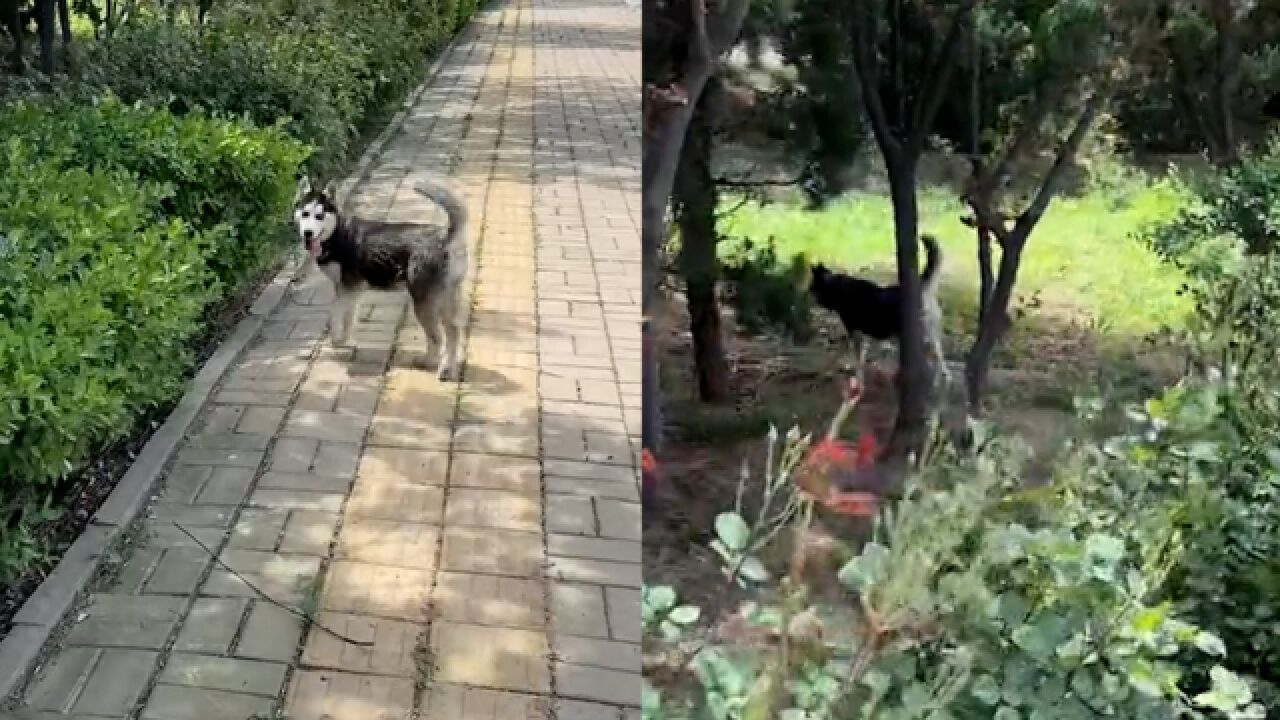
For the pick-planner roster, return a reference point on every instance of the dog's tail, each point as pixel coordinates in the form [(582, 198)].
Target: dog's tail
[(932, 264), (452, 204)]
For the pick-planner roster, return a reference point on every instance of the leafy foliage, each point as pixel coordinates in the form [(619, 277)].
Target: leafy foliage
[(1240, 204), (1234, 336), (101, 293), (323, 69), (229, 180), (768, 291), (977, 598), (152, 183)]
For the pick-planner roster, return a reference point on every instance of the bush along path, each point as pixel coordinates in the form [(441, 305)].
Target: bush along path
[(389, 546)]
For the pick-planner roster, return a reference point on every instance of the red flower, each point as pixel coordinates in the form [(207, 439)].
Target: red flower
[(830, 452), (866, 452), (648, 478), (830, 459), (647, 463), (855, 504)]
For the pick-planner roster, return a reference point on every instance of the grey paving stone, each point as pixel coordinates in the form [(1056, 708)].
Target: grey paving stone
[(211, 625), (270, 633), (128, 621), (175, 702), (237, 675)]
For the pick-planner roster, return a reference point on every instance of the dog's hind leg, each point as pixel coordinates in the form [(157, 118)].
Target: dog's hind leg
[(422, 308), (942, 372), (451, 328)]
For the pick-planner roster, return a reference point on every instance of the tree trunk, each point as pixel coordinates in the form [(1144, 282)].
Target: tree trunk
[(11, 17), (45, 19), (64, 22), (914, 386), (1226, 77), (994, 319), (665, 124), (662, 145), (696, 198)]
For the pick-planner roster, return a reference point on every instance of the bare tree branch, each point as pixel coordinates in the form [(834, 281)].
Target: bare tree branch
[(1057, 172), (731, 182), (866, 67), (727, 25), (939, 76), (700, 42)]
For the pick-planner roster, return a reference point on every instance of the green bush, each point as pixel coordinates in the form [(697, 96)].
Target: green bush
[(767, 292), (974, 598), (101, 293), (230, 181), (1241, 202), (1232, 569), (324, 70), (130, 203)]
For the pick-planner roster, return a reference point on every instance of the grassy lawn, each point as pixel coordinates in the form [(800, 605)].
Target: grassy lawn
[(1082, 264)]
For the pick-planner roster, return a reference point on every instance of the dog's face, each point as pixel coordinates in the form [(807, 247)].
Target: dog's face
[(316, 217)]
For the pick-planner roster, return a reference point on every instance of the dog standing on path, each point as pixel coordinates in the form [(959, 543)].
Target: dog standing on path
[(426, 259), (867, 309)]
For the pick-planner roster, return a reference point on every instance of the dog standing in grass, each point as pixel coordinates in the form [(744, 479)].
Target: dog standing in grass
[(427, 260), (870, 310)]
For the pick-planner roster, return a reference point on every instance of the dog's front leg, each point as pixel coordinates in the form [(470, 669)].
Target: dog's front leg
[(342, 317), (860, 345)]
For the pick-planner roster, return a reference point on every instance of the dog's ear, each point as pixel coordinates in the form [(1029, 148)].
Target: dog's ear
[(304, 187), (329, 189)]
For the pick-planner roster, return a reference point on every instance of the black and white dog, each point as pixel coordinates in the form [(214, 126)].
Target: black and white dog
[(428, 260), (867, 309)]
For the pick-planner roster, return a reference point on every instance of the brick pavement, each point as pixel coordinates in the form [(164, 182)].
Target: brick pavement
[(478, 542)]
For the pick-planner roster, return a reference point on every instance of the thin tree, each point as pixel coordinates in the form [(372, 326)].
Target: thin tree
[(901, 124), (47, 33), (64, 23), (691, 37), (11, 18), (1202, 39), (696, 198), (1101, 39)]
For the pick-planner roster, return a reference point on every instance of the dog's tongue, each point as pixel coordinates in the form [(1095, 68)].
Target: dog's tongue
[(313, 248)]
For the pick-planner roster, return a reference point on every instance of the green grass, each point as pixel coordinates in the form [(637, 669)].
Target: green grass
[(1082, 261)]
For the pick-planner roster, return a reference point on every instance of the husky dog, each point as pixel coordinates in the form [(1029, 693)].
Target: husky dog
[(428, 260), (867, 309)]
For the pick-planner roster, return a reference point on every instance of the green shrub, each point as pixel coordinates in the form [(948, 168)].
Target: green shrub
[(1241, 202), (324, 70), (1229, 441), (767, 292), (230, 181), (101, 293), (974, 599)]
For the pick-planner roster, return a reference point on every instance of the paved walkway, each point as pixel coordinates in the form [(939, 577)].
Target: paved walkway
[(478, 541)]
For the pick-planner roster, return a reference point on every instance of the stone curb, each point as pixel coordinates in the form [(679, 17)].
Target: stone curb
[(46, 607)]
